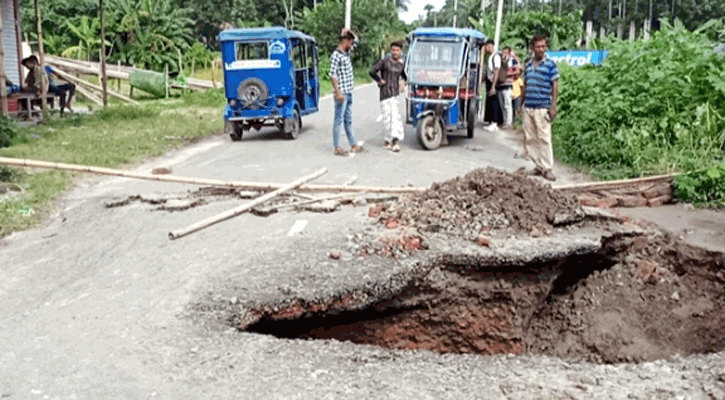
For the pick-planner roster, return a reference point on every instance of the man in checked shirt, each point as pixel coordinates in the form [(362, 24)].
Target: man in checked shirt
[(343, 83)]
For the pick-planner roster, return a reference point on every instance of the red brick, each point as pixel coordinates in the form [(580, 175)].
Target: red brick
[(658, 191), (411, 243), (483, 240), (631, 201), (375, 211), (658, 201), (392, 223)]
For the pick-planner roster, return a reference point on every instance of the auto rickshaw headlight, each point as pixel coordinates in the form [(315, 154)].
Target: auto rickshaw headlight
[(280, 101), (232, 102)]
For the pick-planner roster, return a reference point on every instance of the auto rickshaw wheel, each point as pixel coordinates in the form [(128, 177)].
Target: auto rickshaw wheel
[(292, 126), (235, 129), (430, 132), (253, 93), (471, 117)]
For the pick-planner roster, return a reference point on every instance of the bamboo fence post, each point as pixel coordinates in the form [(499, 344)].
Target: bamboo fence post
[(166, 80), (262, 186), (244, 208), (43, 88), (3, 77), (103, 55), (118, 80)]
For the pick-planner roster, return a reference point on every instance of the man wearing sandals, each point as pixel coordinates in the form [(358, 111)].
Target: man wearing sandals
[(343, 83), (387, 73), (540, 91)]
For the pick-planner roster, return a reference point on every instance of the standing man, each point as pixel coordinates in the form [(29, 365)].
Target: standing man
[(540, 91), (387, 73), (343, 83), (492, 111)]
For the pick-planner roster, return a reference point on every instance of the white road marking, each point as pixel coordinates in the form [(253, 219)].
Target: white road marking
[(298, 227)]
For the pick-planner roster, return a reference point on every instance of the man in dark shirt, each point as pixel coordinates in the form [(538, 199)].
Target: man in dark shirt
[(388, 73)]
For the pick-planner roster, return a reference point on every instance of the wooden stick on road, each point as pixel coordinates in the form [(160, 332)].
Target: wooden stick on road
[(262, 186), (244, 208)]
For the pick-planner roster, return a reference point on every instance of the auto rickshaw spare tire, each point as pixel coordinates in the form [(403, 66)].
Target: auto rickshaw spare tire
[(430, 132), (253, 93), (471, 117), (235, 129), (292, 126)]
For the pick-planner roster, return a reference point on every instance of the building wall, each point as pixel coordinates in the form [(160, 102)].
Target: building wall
[(10, 41)]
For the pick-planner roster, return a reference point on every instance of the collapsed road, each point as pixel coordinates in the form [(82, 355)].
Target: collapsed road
[(375, 299)]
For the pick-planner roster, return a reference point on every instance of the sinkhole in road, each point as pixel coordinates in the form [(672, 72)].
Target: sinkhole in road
[(634, 299)]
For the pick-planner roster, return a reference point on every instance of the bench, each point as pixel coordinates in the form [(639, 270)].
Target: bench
[(25, 102)]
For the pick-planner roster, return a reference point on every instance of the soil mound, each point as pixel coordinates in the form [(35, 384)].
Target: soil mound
[(482, 200)]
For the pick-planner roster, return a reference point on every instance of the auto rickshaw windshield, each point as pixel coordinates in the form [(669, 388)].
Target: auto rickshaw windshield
[(435, 62), (252, 51)]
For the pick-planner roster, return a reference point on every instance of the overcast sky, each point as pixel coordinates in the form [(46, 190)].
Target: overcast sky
[(416, 7)]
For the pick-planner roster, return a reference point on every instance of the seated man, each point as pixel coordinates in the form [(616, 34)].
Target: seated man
[(36, 77), (60, 87)]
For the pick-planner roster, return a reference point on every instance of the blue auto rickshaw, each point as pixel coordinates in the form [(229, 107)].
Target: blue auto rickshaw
[(444, 67), (270, 79)]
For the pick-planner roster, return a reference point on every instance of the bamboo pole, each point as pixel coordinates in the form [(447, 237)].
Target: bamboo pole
[(311, 201), (617, 184), (3, 77), (92, 97), (264, 186), (244, 208), (92, 86), (103, 55), (43, 88)]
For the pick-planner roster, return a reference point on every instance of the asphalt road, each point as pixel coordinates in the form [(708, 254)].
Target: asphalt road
[(99, 304)]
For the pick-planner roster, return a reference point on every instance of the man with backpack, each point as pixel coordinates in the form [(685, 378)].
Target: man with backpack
[(502, 86)]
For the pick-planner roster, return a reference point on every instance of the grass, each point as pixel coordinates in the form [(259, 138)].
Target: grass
[(115, 137), (118, 136)]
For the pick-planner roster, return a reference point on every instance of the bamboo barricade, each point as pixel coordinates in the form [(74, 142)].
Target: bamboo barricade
[(244, 208), (79, 81), (261, 186)]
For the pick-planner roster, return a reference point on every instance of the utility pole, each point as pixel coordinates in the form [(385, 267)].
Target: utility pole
[(455, 12), (499, 17), (348, 13), (103, 55), (610, 10), (560, 8)]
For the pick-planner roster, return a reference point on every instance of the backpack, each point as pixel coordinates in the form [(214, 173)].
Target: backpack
[(503, 71)]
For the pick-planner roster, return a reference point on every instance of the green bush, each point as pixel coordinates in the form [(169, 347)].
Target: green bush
[(654, 106), (705, 187), (8, 131)]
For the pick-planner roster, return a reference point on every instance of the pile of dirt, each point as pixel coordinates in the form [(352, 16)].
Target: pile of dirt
[(660, 298), (481, 201)]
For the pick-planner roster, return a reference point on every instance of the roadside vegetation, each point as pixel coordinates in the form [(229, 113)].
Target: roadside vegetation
[(654, 107)]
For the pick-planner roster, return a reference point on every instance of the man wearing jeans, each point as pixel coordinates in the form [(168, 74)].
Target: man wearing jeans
[(343, 83), (540, 91)]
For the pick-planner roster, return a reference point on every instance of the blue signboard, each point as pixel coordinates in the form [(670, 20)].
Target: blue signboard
[(578, 58)]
